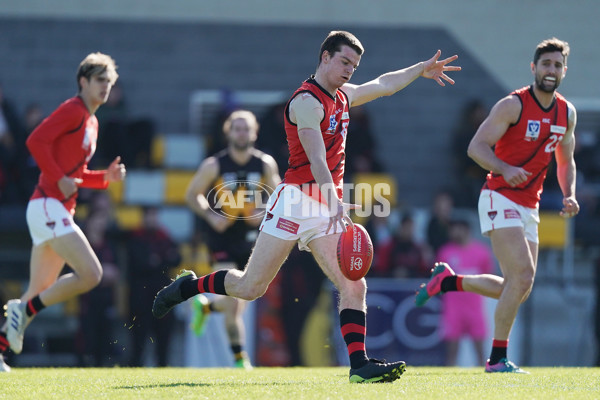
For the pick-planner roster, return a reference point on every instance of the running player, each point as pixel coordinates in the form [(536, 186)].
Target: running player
[(62, 145), (307, 209), (527, 127), (238, 172)]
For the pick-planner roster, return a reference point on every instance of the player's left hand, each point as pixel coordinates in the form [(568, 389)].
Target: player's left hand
[(115, 171), (570, 207), (434, 69)]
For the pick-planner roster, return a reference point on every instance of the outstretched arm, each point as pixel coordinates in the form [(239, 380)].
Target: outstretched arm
[(392, 82)]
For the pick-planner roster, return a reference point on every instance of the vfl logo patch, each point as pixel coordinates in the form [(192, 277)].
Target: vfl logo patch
[(492, 214), (51, 224), (287, 225), (533, 131), (66, 222), (511, 213), (332, 125)]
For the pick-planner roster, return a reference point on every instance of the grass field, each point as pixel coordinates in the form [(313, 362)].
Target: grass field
[(294, 383)]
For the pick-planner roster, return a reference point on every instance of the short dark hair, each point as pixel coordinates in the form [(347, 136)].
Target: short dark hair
[(336, 39), (549, 46)]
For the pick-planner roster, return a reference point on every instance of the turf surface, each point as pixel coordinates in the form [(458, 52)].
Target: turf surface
[(294, 383)]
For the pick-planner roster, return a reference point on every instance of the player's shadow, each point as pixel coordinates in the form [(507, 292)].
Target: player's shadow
[(163, 385), (188, 384)]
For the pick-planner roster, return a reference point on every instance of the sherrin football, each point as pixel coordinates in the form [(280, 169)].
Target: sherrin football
[(355, 252)]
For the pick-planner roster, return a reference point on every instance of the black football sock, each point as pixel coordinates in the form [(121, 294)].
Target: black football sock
[(238, 351), (34, 306), (353, 324), (499, 351), (211, 283), (452, 284)]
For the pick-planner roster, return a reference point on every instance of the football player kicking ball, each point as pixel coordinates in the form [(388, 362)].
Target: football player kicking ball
[(526, 128), (62, 145), (316, 122)]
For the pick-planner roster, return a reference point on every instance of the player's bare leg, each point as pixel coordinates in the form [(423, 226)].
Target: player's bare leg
[(44, 267), (75, 249), (353, 308), (516, 260), (47, 261), (268, 254), (352, 293), (266, 259), (517, 257)]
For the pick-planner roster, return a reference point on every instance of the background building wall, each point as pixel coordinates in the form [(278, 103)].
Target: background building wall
[(501, 34)]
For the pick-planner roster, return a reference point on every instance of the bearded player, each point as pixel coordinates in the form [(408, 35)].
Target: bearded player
[(527, 128)]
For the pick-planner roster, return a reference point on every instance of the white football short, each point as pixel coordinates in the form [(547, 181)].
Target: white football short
[(293, 215), (496, 211), (47, 218)]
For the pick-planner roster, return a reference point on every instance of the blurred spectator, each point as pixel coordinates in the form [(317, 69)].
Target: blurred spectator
[(122, 135), (587, 153), (214, 140), (28, 171), (112, 120), (437, 227), (301, 281), (469, 177), (11, 133), (402, 257), (98, 313), (463, 314), (151, 252), (33, 116), (272, 139), (380, 232), (361, 149)]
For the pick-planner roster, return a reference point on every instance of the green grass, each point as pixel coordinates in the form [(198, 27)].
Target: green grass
[(294, 383)]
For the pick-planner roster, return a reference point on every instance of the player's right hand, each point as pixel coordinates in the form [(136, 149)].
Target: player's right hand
[(340, 216), (515, 176), (68, 186)]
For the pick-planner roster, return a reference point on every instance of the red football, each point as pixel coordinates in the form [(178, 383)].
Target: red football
[(355, 252)]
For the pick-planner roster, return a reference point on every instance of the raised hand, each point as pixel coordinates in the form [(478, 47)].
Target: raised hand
[(434, 69)]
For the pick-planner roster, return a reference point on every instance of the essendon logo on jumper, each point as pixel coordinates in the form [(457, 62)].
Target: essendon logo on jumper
[(51, 224), (492, 214)]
